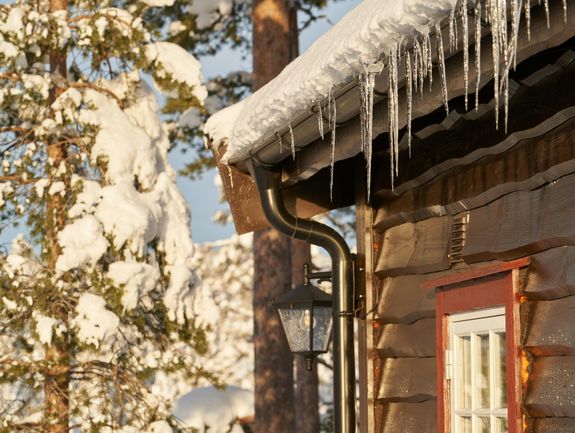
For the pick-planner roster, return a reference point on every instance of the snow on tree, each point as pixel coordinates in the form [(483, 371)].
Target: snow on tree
[(222, 302), (96, 308), (211, 410)]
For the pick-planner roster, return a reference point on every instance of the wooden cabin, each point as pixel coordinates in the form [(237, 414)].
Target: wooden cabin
[(467, 263)]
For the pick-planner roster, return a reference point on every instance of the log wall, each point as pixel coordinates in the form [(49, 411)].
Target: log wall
[(538, 224)]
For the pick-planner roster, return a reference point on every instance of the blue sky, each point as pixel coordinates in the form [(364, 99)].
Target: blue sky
[(202, 195)]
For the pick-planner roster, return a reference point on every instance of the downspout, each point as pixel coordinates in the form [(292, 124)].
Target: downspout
[(268, 181)]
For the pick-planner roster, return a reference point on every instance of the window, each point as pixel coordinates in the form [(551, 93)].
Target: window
[(478, 355), (476, 366)]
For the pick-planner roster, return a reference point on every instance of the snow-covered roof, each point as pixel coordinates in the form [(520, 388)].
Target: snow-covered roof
[(360, 39)]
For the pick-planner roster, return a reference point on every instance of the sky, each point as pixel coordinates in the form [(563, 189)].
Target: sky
[(202, 194)]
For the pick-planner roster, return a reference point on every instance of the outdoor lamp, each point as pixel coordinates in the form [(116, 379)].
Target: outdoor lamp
[(306, 316)]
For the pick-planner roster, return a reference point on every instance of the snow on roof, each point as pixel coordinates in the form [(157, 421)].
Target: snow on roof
[(372, 29)]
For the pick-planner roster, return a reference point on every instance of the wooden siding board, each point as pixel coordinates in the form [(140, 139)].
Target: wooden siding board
[(523, 223), (409, 417), (415, 248), (407, 380), (551, 390), (415, 340), (471, 183), (554, 425), (403, 300), (551, 274), (552, 330)]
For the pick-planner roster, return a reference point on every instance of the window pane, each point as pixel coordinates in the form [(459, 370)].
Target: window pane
[(482, 376), (463, 360), (464, 424), (321, 328), (501, 425), (501, 372), (296, 322), (483, 424)]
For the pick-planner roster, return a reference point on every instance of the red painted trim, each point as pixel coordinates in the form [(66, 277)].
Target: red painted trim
[(465, 276), (440, 333), (493, 289)]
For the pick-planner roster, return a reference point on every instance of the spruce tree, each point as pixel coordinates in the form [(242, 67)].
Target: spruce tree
[(95, 300)]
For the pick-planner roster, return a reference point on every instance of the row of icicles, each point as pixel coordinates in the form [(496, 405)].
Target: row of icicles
[(418, 65)]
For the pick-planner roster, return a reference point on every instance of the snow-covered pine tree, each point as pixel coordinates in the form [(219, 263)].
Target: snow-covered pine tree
[(96, 305)]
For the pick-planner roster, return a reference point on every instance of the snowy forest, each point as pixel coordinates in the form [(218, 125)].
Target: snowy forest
[(112, 319)]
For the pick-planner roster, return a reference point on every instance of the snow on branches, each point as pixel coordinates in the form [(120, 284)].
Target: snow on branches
[(101, 299)]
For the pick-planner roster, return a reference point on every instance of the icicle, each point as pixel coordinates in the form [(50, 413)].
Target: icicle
[(396, 105), (514, 26), (506, 99), (393, 113), (280, 142), (292, 141), (465, 25), (420, 65), (477, 51), (546, 6), (319, 115), (494, 19), (516, 7), (441, 61), (503, 31), (565, 11), (409, 96), (528, 19), (516, 10), (415, 65), (329, 108), (366, 86), (390, 119), (452, 30), (428, 59), (333, 121)]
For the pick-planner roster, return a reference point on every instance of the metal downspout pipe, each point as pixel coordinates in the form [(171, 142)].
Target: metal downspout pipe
[(267, 181)]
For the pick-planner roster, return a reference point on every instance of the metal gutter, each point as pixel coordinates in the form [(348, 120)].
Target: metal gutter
[(267, 181)]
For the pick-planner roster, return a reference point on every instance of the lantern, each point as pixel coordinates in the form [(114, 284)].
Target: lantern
[(306, 316)]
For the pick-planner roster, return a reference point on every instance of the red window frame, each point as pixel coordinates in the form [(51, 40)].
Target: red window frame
[(491, 286)]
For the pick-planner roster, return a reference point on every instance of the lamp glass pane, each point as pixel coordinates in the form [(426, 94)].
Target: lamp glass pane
[(322, 321), (296, 323)]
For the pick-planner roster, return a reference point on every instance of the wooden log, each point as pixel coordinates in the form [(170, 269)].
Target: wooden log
[(403, 300), (524, 160), (415, 248), (409, 417), (551, 274), (551, 390), (523, 223), (554, 425), (415, 340), (552, 330), (407, 380), (468, 139)]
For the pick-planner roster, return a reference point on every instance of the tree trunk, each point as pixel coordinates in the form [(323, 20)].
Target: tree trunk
[(56, 389), (306, 391), (273, 372)]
